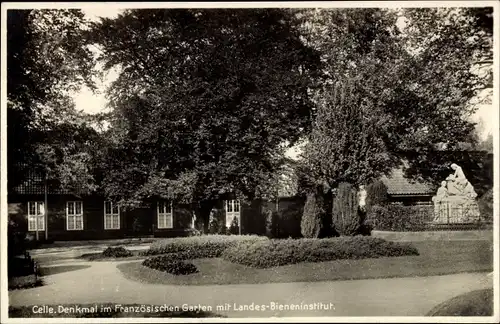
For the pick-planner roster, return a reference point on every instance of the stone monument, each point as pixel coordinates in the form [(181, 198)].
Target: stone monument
[(455, 200)]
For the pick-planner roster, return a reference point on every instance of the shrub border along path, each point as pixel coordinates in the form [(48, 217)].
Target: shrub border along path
[(274, 253)]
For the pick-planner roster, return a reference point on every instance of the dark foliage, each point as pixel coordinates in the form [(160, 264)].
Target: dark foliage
[(217, 222), (486, 206), (235, 227), (25, 282)]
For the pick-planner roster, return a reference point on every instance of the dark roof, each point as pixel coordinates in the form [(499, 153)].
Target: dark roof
[(398, 184)]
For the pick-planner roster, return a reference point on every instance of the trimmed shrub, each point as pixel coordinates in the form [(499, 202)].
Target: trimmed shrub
[(273, 253), (310, 224), (399, 218), (116, 252), (205, 246), (376, 194), (166, 264), (345, 217)]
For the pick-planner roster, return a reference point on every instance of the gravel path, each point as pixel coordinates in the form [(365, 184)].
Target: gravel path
[(102, 282)]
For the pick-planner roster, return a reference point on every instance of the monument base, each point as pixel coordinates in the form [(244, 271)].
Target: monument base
[(456, 210)]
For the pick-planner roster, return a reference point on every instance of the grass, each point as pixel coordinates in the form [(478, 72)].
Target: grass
[(436, 258), (47, 271), (97, 243), (108, 310), (474, 303)]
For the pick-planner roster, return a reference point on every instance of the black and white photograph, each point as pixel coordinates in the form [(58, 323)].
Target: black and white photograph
[(327, 161)]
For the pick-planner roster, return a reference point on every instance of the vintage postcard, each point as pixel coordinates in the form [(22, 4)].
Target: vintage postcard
[(249, 161)]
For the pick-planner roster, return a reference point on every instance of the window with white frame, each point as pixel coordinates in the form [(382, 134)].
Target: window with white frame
[(165, 215), (111, 215), (232, 211), (74, 215), (36, 216)]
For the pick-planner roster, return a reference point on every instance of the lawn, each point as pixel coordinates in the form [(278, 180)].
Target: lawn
[(474, 303), (436, 258), (98, 256)]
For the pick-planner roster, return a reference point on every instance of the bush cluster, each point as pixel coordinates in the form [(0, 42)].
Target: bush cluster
[(165, 263), (207, 246), (486, 206), (116, 252), (273, 253), (399, 218)]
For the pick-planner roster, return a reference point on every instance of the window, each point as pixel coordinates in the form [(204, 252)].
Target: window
[(165, 215), (36, 216), (232, 212), (74, 215), (111, 215)]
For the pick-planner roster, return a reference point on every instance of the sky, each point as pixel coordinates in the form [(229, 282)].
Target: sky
[(93, 103)]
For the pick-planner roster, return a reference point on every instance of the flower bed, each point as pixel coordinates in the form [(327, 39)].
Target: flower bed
[(118, 252), (273, 253), (166, 264), (109, 253)]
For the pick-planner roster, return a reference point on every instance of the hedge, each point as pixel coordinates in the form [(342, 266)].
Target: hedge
[(399, 218), (273, 253), (207, 246)]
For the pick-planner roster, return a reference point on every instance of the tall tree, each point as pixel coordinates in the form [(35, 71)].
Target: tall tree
[(415, 75), (363, 56), (204, 101), (46, 60), (451, 73)]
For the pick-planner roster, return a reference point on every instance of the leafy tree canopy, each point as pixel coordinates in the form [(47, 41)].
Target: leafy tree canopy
[(204, 100)]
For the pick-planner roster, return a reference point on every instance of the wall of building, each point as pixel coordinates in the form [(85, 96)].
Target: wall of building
[(134, 222)]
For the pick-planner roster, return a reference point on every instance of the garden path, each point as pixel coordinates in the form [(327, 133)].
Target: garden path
[(102, 282)]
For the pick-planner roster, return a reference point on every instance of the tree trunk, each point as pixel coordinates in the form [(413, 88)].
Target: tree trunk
[(46, 211)]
